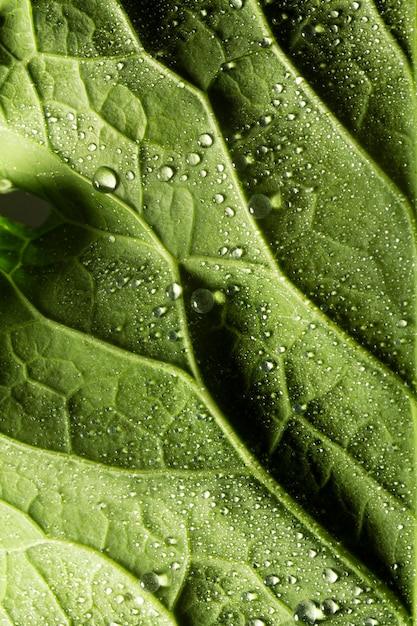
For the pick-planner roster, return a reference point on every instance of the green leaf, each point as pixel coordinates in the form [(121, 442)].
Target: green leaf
[(207, 382)]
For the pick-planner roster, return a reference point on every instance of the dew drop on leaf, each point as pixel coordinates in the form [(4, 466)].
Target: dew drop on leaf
[(259, 206), (6, 185), (329, 606), (165, 173), (236, 4), (271, 580), (266, 366), (237, 253), (329, 575), (173, 291), (193, 158), (202, 301), (205, 140), (105, 179), (306, 612), (159, 311), (150, 582)]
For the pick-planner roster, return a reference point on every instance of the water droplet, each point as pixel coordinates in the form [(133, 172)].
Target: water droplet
[(236, 4), (205, 140), (308, 32), (229, 212), (271, 580), (159, 311), (218, 198), (265, 42), (255, 622), (120, 65), (105, 179), (130, 175), (259, 206), (329, 575), (112, 239), (306, 612), (173, 291), (371, 621), (240, 162), (329, 606), (236, 253), (202, 301), (92, 147), (401, 323), (6, 185), (150, 582), (266, 366), (297, 408), (193, 158), (165, 173)]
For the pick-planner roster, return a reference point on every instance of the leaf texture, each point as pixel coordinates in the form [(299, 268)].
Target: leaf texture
[(207, 384)]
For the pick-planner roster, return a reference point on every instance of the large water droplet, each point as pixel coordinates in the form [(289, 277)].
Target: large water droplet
[(259, 206), (173, 291), (329, 575), (105, 179), (236, 4), (202, 301), (329, 606), (193, 158), (205, 140), (150, 582), (165, 173), (306, 612), (6, 185)]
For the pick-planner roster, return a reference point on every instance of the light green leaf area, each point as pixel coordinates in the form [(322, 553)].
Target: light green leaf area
[(207, 381)]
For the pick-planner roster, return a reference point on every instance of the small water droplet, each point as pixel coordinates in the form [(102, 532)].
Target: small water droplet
[(159, 311), (259, 206), (255, 621), (329, 606), (236, 253), (236, 4), (205, 140), (193, 158), (266, 366), (105, 179), (202, 301), (112, 239), (371, 621), (165, 173), (229, 212), (173, 291), (329, 575), (120, 65), (306, 612), (401, 323), (92, 147), (218, 198), (271, 580), (297, 408), (265, 42), (130, 175)]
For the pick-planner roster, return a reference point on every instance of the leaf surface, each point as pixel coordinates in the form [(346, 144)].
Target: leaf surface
[(207, 354)]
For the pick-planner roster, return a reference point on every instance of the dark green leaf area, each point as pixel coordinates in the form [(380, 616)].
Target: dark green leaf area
[(313, 411), (115, 288), (62, 391)]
